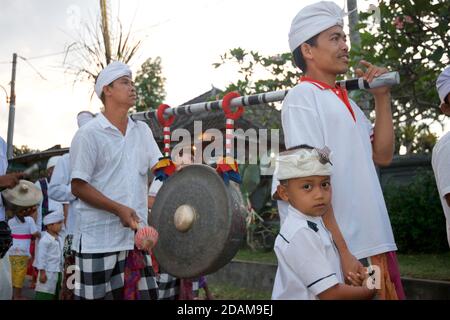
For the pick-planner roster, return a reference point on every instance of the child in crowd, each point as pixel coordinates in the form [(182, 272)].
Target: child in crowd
[(23, 229), (308, 262), (50, 258)]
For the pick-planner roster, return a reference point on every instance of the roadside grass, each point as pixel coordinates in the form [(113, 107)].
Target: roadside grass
[(423, 266), (229, 292)]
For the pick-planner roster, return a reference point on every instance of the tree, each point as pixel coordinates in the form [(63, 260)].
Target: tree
[(97, 45), (150, 85), (279, 70), (415, 138), (413, 40), (24, 149)]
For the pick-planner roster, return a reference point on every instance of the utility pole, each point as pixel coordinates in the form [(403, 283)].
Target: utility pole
[(105, 30), (353, 19), (12, 109)]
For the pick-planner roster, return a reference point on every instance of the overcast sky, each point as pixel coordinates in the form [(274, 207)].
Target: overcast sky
[(189, 36)]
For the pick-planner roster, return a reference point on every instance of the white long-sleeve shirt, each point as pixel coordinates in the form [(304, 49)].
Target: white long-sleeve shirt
[(50, 253), (3, 167), (60, 190)]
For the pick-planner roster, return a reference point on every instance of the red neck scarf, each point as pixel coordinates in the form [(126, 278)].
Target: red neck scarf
[(341, 93)]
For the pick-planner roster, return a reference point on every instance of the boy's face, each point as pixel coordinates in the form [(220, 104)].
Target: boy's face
[(331, 52), (122, 91), (55, 227), (309, 195)]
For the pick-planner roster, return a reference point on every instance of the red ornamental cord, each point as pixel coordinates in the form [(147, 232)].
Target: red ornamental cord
[(341, 93)]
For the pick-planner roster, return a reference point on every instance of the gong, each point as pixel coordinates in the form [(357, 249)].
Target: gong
[(200, 220)]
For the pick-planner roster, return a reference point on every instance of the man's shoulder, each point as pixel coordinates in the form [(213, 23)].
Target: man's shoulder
[(93, 124), (87, 132), (302, 94), (305, 87), (442, 143), (142, 126), (444, 139)]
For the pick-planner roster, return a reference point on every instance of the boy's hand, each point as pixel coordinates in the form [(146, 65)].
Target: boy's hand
[(350, 264), (371, 73), (359, 279), (42, 276)]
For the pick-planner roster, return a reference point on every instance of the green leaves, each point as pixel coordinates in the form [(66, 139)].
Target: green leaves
[(150, 85), (250, 177), (416, 215)]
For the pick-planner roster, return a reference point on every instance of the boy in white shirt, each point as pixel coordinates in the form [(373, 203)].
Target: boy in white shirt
[(308, 261), (50, 258)]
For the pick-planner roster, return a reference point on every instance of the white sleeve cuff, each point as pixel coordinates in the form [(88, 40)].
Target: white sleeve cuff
[(323, 284), (80, 175)]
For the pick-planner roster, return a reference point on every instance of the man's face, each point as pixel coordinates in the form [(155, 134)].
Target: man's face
[(331, 52), (122, 91), (309, 195), (445, 106)]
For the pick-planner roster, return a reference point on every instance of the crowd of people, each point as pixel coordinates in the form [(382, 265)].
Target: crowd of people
[(335, 241)]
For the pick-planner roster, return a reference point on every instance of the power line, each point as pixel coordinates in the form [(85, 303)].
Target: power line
[(33, 67)]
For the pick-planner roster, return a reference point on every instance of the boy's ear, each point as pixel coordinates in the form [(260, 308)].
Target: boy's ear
[(282, 192)]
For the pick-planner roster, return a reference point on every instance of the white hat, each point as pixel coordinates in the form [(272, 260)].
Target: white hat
[(24, 194), (52, 161), (84, 117), (53, 217), (314, 19), (113, 71), (443, 84), (303, 162)]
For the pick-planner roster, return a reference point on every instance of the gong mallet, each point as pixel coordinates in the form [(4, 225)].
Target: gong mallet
[(385, 80)]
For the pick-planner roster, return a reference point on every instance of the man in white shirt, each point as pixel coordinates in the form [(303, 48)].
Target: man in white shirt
[(6, 181), (440, 160), (318, 113), (9, 180), (109, 159), (5, 266), (60, 190)]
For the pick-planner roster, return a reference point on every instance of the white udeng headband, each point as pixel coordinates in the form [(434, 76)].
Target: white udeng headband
[(303, 163)]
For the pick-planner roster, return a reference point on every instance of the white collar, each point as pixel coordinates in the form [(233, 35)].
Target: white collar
[(300, 215), (105, 123)]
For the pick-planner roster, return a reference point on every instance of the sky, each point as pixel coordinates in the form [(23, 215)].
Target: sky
[(189, 36)]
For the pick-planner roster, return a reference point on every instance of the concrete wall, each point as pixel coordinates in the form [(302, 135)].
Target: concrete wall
[(404, 169), (260, 277)]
